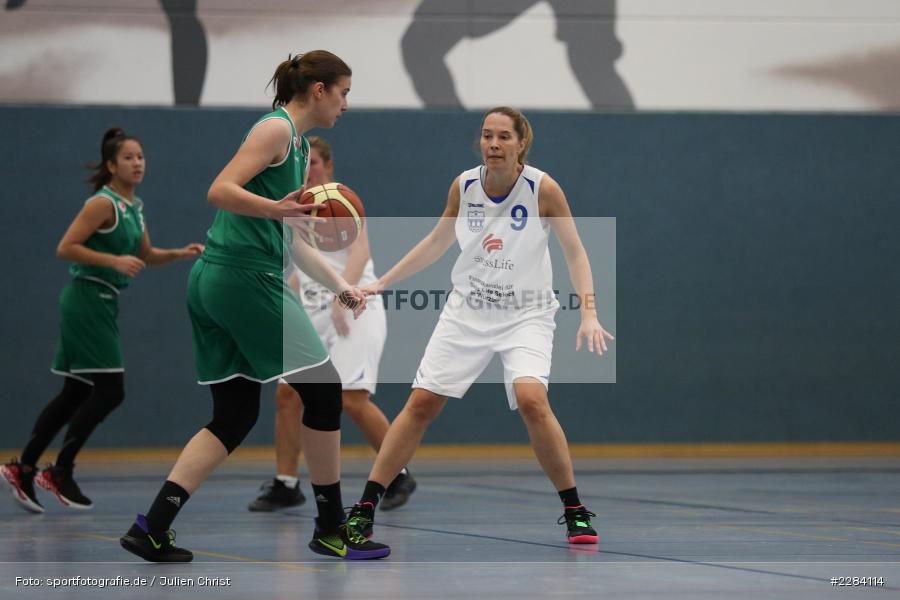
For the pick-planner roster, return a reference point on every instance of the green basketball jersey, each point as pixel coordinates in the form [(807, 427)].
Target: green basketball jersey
[(252, 242), (123, 237)]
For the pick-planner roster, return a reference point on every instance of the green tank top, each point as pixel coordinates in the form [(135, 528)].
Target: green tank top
[(252, 242), (123, 237)]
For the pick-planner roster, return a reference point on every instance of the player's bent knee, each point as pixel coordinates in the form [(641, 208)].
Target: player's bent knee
[(533, 403), (355, 402), (232, 421), (320, 391), (287, 401), (424, 406), (322, 407)]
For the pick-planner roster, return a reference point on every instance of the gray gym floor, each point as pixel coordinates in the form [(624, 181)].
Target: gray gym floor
[(676, 528)]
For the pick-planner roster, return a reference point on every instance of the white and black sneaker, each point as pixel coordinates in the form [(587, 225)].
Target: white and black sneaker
[(20, 480), (276, 495), (59, 482), (398, 492)]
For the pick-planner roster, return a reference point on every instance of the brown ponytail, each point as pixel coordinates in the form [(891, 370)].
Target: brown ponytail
[(297, 74)]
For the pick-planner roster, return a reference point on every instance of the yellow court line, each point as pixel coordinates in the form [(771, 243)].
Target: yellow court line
[(807, 535), (243, 559), (514, 451)]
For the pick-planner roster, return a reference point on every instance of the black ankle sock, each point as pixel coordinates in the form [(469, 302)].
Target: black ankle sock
[(372, 493), (329, 504), (569, 497), (169, 501)]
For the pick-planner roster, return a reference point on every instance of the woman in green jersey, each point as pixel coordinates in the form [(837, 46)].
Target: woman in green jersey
[(250, 328), (109, 245)]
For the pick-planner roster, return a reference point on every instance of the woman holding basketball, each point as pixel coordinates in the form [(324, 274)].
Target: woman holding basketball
[(502, 302), (241, 308), (108, 245), (355, 347)]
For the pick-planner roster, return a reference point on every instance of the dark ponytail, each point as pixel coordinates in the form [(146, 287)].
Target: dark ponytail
[(109, 149), (297, 74)]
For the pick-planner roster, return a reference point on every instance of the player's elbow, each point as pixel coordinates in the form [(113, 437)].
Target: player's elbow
[(214, 195), (62, 250)]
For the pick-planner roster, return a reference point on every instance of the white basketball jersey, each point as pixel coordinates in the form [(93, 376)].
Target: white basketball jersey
[(504, 261), (315, 295)]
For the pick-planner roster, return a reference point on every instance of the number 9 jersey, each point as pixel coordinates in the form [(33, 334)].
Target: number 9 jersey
[(503, 271)]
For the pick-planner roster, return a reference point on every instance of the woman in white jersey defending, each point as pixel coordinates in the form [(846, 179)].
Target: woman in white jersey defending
[(355, 348), (502, 302)]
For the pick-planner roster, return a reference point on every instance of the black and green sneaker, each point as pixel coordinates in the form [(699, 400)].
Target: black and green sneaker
[(347, 543), (362, 518), (578, 523), (153, 546)]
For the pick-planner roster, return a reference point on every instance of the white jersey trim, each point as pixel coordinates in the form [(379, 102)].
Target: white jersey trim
[(115, 211), (67, 374), (270, 379), (287, 152), (98, 280)]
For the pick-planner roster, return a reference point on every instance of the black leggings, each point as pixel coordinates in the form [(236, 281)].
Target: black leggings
[(83, 406), (236, 404)]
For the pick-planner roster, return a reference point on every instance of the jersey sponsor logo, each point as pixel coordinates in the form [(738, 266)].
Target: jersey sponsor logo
[(476, 217), (502, 264), (491, 244), (123, 208)]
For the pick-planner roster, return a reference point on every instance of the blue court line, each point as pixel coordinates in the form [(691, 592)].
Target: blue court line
[(498, 488), (687, 505)]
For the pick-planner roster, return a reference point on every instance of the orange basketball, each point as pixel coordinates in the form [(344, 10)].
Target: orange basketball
[(344, 211)]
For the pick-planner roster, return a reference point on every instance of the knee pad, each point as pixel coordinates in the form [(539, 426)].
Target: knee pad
[(320, 392), (235, 412)]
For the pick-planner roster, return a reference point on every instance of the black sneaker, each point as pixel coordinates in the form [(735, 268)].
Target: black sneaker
[(347, 542), (578, 523), (277, 495), (59, 481), (20, 479), (153, 546), (398, 492)]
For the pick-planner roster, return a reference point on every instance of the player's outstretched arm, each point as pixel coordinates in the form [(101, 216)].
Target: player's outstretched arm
[(431, 248), (553, 205), (157, 257), (310, 261)]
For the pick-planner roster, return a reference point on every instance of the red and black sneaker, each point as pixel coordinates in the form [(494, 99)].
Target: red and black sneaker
[(59, 481), (20, 479), (578, 523)]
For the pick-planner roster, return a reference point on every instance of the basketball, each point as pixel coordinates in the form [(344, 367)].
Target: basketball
[(344, 211)]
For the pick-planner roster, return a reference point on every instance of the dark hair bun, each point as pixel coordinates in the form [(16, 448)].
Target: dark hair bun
[(113, 132)]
